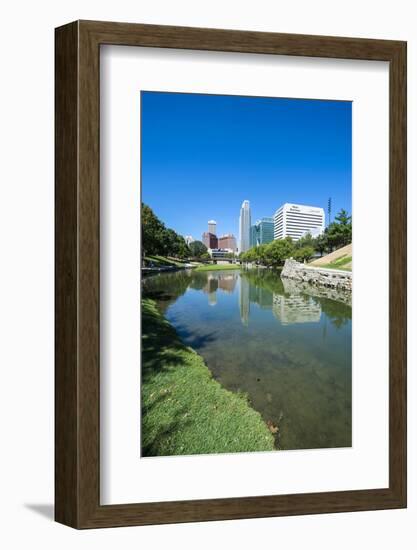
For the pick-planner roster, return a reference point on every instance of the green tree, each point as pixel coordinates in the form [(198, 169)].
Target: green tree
[(321, 243), (304, 253), (343, 218), (305, 240), (152, 232), (158, 239), (339, 232), (278, 251), (170, 241), (250, 255), (197, 249), (262, 254), (183, 250)]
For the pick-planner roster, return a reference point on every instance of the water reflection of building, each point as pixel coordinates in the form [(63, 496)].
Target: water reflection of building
[(260, 296), (211, 289), (288, 307), (224, 282), (296, 308), (244, 301), (212, 298), (227, 282)]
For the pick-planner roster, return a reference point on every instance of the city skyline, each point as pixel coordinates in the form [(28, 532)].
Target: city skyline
[(293, 220), (203, 155)]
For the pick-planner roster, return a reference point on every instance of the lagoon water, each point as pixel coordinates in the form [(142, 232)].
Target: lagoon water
[(286, 346)]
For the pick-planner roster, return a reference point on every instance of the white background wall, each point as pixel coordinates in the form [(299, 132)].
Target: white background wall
[(26, 271)]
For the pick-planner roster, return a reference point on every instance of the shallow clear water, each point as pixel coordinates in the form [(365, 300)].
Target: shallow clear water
[(288, 346)]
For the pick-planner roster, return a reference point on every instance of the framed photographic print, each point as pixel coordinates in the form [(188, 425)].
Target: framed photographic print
[(230, 274)]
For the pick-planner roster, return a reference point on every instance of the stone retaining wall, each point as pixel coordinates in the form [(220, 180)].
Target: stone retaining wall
[(330, 278)]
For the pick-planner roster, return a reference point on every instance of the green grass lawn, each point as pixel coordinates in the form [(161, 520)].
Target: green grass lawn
[(340, 263), (184, 410), (217, 267), (159, 261)]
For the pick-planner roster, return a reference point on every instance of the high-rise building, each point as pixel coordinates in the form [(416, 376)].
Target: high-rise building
[(296, 220), (228, 242), (210, 240), (244, 227), (253, 236), (212, 227), (262, 232)]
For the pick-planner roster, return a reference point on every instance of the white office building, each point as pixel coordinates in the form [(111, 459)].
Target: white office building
[(212, 227), (296, 220), (244, 227), (189, 239)]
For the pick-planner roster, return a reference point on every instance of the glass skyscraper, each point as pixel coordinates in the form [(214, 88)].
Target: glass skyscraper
[(244, 227), (262, 232)]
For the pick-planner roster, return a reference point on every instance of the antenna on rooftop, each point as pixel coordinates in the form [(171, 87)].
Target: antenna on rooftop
[(329, 210)]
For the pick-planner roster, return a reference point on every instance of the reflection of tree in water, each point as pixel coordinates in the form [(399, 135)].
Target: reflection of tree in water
[(337, 312), (266, 279), (166, 288), (198, 280)]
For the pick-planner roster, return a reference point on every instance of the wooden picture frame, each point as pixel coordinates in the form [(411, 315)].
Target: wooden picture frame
[(77, 382)]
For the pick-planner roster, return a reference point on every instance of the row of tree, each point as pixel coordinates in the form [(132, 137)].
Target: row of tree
[(272, 254), (159, 240), (336, 235)]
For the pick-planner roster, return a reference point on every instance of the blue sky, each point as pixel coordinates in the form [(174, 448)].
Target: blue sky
[(202, 155)]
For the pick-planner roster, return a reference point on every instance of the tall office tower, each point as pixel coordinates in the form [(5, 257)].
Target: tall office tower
[(244, 227), (262, 232), (253, 236), (296, 220), (212, 227), (210, 240), (228, 242)]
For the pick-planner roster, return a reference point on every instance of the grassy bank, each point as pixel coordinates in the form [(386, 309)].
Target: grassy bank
[(345, 263), (217, 267), (160, 261), (185, 411)]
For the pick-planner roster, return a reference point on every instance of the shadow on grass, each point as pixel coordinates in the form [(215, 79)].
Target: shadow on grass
[(185, 411), (159, 442), (161, 352)]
